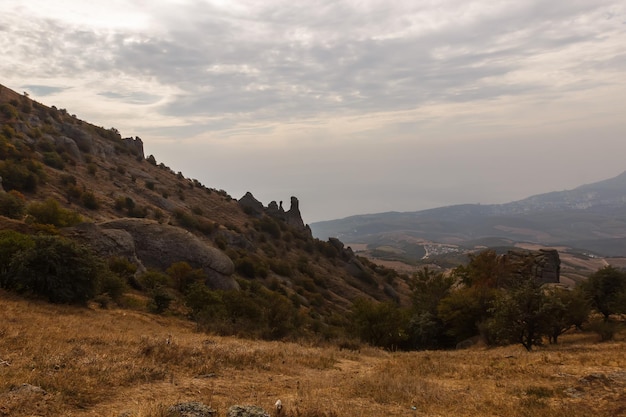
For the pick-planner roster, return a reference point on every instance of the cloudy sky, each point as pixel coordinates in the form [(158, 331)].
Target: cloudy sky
[(352, 106)]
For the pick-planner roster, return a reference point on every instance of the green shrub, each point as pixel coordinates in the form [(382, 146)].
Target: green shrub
[(606, 329), (56, 268), (68, 179), (161, 300), (54, 160), (90, 201), (11, 242), (12, 204), (51, 212), (246, 267), (154, 279), (19, 176), (113, 285), (8, 111), (183, 275)]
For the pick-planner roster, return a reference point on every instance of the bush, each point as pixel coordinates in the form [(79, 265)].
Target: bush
[(56, 268), (154, 279), (54, 160), (606, 329), (11, 242), (89, 201), (19, 176), (50, 212), (184, 275), (12, 204), (113, 285), (161, 300)]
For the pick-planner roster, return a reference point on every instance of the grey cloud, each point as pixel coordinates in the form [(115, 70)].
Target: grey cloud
[(132, 98), (332, 71), (44, 90)]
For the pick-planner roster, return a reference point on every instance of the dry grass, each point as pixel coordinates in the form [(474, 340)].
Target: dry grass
[(93, 362)]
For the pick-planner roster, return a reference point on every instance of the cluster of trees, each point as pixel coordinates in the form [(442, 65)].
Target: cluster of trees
[(49, 266), (487, 299)]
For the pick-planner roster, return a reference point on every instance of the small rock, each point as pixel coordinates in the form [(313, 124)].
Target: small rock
[(190, 409), (246, 411)]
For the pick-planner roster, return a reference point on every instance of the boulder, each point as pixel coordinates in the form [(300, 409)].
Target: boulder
[(153, 245), (190, 409), (69, 145), (246, 411)]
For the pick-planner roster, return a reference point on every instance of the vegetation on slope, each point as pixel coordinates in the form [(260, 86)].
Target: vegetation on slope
[(89, 361)]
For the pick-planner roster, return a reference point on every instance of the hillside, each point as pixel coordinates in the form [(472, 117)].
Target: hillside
[(125, 206), (111, 363)]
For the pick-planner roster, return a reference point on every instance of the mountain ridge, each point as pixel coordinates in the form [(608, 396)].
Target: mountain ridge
[(587, 213)]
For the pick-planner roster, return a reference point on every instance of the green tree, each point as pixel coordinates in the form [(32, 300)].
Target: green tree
[(56, 268), (380, 324), (485, 269), (183, 275), (464, 310), (606, 289), (520, 314), (11, 243), (425, 327), (564, 309)]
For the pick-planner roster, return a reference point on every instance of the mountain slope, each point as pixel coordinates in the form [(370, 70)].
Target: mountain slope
[(141, 210), (593, 215)]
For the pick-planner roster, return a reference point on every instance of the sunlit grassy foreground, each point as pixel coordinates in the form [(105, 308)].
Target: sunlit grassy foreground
[(92, 362)]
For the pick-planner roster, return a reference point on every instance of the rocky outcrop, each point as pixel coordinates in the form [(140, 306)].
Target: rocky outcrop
[(152, 245), (292, 217), (135, 145), (251, 205)]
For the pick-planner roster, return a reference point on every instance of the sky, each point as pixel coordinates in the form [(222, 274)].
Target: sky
[(352, 106)]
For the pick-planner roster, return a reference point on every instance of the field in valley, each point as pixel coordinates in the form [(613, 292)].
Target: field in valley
[(94, 362)]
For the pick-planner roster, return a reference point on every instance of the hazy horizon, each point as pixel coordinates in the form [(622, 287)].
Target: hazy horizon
[(353, 107)]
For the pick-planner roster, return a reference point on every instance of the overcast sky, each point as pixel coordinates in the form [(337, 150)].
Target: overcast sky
[(352, 106)]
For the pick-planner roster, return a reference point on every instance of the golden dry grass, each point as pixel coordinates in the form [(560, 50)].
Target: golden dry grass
[(93, 362)]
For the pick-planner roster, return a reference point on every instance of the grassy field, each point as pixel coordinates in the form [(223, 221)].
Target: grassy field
[(94, 362)]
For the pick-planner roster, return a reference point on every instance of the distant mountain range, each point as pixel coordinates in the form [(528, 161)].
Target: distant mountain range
[(591, 217)]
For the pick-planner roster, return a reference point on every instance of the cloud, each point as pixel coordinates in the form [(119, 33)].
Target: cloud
[(321, 88)]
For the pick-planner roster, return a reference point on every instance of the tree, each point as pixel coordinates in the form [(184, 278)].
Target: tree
[(464, 310), (426, 329), (520, 314), (56, 268), (184, 275), (11, 243), (564, 309), (485, 269), (380, 324), (606, 289)]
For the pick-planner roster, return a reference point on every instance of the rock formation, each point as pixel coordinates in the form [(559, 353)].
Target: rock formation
[(292, 217), (152, 245)]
